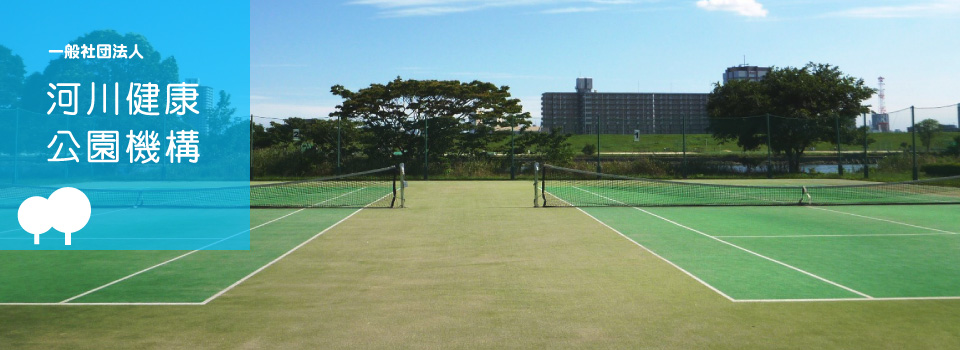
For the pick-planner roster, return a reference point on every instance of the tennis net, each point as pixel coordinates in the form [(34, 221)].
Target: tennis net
[(570, 187), (374, 188)]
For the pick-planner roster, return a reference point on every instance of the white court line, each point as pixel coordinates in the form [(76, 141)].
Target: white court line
[(648, 250), (855, 235), (189, 253), (842, 299), (264, 267), (695, 278), (885, 220), (101, 304), (171, 260), (741, 248)]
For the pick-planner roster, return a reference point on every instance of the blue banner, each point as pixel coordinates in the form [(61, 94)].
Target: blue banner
[(125, 127)]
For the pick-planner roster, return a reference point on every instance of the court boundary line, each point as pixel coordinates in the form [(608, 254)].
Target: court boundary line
[(843, 236), (68, 301), (740, 248), (885, 220), (208, 300), (797, 269), (172, 260), (810, 300), (274, 261), (695, 278), (873, 299)]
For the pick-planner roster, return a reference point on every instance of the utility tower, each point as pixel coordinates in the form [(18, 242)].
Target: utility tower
[(881, 104)]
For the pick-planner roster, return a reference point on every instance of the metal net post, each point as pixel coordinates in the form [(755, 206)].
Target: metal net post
[(536, 196), (403, 184)]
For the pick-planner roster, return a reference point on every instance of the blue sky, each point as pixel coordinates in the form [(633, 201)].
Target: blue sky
[(301, 48)]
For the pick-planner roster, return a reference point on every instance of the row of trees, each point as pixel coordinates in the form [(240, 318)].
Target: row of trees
[(815, 103), (407, 120), (416, 121)]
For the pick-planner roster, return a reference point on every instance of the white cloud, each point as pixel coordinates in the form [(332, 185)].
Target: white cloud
[(942, 8), (571, 10), (749, 8), (412, 8)]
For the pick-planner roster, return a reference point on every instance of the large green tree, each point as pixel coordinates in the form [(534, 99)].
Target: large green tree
[(457, 118), (927, 129), (11, 77), (806, 106)]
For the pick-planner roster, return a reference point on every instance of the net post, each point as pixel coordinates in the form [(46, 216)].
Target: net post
[(393, 200), (543, 185), (403, 184), (536, 196)]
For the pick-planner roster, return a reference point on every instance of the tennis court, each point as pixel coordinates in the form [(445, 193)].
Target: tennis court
[(285, 217), (772, 252)]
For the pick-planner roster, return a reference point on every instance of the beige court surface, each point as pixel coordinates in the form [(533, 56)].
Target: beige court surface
[(472, 265)]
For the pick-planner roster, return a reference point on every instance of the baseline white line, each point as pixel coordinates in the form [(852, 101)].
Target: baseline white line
[(843, 299), (863, 235), (743, 249), (884, 220), (274, 261), (189, 253), (101, 304), (695, 278), (264, 267), (169, 261)]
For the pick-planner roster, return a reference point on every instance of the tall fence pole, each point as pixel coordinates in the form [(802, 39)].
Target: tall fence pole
[(599, 169), (839, 151), (769, 152), (426, 148), (866, 157), (913, 127), (683, 132), (251, 146), (339, 167), (16, 147), (513, 168)]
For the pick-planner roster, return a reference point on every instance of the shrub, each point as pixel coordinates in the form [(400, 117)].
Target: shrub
[(941, 169)]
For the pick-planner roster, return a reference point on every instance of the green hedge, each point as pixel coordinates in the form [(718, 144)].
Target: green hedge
[(941, 169)]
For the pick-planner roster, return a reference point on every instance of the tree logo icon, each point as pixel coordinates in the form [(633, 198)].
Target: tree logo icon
[(67, 210)]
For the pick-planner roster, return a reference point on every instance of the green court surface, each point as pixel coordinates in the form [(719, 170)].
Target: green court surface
[(804, 253), (473, 265), (156, 277)]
